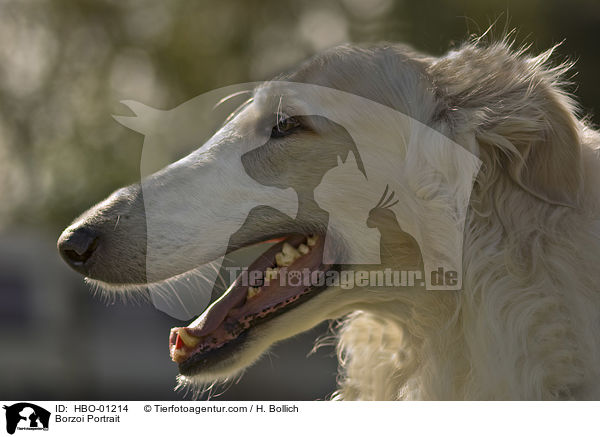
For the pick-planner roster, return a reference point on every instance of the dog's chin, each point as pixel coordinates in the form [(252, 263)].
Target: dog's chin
[(245, 321), (241, 325), (232, 358)]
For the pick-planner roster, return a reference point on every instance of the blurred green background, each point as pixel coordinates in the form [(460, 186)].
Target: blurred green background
[(64, 67)]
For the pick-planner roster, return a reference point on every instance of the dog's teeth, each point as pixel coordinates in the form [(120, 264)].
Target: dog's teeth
[(178, 355), (290, 251), (311, 240), (279, 259), (252, 291), (188, 340), (303, 249), (283, 260)]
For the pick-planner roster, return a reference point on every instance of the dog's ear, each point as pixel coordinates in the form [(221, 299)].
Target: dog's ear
[(538, 145), (523, 120)]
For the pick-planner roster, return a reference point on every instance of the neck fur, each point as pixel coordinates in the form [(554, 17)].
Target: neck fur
[(522, 327)]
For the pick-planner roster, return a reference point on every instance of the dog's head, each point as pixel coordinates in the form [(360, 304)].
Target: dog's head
[(346, 163)]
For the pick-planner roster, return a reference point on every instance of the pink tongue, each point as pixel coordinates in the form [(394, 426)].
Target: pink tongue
[(235, 296)]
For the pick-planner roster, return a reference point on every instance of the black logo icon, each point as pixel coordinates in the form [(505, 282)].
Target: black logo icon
[(26, 416)]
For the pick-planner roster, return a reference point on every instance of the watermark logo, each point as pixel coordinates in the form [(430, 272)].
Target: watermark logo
[(290, 156), (345, 279), (25, 416)]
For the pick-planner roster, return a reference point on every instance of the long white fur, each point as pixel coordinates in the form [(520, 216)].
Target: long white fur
[(526, 323)]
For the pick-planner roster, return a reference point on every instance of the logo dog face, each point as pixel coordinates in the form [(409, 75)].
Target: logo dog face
[(27, 416), (298, 163)]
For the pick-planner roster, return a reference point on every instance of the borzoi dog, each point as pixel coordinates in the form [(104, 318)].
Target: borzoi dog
[(522, 322)]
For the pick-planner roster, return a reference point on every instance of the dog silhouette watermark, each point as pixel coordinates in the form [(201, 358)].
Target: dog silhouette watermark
[(25, 416), (385, 174)]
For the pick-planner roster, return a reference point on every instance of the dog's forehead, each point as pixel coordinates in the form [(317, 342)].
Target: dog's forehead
[(310, 97), (295, 89), (304, 99), (281, 96)]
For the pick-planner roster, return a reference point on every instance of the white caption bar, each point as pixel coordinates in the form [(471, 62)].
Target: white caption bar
[(297, 418)]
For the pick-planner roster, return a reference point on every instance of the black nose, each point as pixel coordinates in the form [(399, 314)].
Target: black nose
[(76, 246)]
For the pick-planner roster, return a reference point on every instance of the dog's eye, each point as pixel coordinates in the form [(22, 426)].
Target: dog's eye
[(285, 126)]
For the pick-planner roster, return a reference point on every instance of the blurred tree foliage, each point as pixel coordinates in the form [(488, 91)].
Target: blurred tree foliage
[(66, 64)]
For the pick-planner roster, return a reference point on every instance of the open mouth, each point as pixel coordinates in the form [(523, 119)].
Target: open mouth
[(278, 280)]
